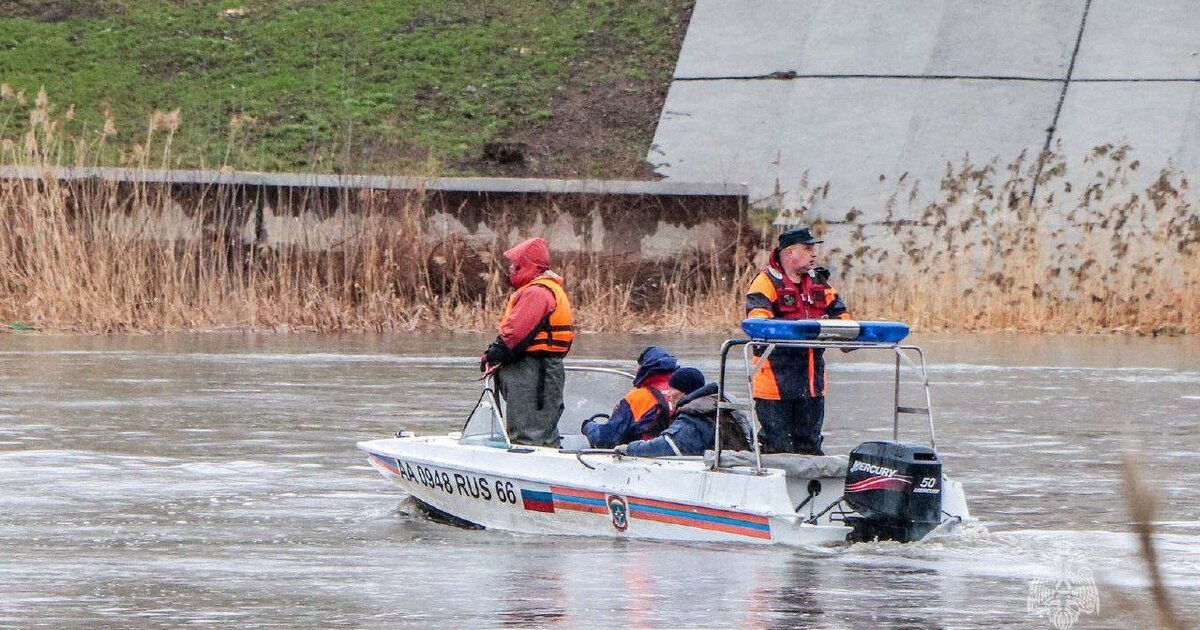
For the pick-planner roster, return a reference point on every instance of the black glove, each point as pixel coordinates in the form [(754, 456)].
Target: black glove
[(498, 353), (583, 427), (483, 362)]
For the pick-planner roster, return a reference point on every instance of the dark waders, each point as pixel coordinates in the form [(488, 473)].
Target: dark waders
[(791, 426), (533, 399)]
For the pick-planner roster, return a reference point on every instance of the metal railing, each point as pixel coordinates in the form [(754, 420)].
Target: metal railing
[(754, 363), (491, 399)]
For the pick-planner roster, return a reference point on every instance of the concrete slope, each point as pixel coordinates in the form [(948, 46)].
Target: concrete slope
[(1028, 38), (788, 95)]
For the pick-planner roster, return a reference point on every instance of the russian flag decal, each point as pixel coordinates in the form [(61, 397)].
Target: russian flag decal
[(536, 501)]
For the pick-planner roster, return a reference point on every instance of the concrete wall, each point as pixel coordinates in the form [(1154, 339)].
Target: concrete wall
[(786, 95), (630, 219)]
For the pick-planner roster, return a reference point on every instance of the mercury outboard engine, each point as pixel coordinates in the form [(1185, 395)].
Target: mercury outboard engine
[(897, 490)]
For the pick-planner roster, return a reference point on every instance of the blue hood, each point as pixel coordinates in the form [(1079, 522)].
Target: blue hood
[(654, 360)]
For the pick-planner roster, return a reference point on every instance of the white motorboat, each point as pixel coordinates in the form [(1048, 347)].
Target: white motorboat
[(884, 490)]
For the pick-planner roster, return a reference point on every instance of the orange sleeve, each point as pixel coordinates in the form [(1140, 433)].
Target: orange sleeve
[(761, 297), (834, 307)]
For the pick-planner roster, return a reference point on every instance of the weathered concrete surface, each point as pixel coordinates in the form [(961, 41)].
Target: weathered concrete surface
[(788, 96), (773, 135), (1151, 39), (637, 220), (478, 185), (1010, 38), (1160, 121)]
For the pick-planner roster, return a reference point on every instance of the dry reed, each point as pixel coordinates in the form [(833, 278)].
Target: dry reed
[(104, 257), (1143, 509), (983, 257)]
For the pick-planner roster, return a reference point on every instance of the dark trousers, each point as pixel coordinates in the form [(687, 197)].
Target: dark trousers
[(533, 399), (791, 426)]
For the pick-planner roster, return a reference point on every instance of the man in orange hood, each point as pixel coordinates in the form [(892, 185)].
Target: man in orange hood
[(527, 356)]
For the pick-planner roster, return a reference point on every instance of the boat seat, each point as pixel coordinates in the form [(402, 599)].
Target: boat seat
[(793, 465)]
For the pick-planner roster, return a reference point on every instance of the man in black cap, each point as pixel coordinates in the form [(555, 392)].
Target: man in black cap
[(789, 390)]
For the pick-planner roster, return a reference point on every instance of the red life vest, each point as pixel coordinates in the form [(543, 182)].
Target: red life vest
[(790, 373), (809, 300)]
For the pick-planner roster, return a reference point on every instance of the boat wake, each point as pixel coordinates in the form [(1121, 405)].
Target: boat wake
[(973, 550)]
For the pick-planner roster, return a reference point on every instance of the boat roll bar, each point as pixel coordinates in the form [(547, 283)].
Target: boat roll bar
[(755, 353)]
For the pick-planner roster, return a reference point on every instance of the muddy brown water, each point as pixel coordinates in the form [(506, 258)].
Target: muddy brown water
[(170, 481)]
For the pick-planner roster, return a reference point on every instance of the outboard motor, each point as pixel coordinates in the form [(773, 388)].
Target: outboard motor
[(897, 490)]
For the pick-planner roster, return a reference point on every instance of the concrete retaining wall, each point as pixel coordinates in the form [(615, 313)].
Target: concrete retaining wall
[(637, 220)]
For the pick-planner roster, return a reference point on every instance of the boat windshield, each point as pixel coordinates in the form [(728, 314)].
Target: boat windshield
[(486, 423), (588, 390)]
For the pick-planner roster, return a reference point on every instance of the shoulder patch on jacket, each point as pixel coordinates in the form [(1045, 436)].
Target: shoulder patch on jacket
[(774, 273)]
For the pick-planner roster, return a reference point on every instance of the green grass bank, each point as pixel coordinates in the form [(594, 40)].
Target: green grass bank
[(570, 89)]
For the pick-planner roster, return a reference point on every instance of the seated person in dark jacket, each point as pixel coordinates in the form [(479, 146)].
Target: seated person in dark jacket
[(694, 429), (645, 410)]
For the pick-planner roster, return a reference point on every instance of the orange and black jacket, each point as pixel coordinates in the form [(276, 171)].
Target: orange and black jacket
[(792, 373), (641, 415)]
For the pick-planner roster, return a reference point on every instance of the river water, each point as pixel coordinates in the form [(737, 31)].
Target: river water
[(212, 479)]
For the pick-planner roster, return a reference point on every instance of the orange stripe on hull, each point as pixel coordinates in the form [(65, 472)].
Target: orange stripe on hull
[(576, 492), (719, 527), (752, 518), (580, 507)]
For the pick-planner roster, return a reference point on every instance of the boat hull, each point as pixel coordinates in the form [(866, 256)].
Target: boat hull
[(544, 491)]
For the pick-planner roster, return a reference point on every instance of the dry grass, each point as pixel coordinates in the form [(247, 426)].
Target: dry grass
[(981, 257), (79, 263), (72, 262), (98, 257), (104, 257)]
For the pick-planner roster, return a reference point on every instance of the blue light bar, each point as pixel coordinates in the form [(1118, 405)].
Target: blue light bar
[(782, 329), (882, 332), (824, 330)]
